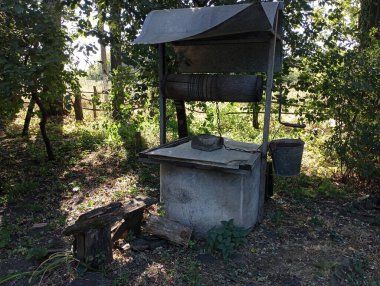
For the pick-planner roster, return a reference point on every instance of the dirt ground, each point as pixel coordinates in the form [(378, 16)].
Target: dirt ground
[(308, 237)]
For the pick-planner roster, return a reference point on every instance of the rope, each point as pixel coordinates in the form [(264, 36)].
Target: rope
[(220, 135)]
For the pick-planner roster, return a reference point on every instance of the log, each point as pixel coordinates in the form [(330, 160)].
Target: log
[(208, 87), (169, 230)]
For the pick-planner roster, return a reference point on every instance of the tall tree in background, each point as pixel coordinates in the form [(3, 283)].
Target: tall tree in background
[(103, 57), (115, 25), (53, 9), (369, 21), (32, 53), (327, 44), (341, 76)]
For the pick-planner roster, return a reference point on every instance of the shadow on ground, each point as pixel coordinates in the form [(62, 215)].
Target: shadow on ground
[(314, 230)]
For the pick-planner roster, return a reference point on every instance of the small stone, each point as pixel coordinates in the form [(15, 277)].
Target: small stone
[(125, 246)]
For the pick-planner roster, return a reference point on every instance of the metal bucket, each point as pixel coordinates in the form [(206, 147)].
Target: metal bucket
[(287, 156)]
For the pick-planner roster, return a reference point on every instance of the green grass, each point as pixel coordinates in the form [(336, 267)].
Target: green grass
[(316, 221), (191, 276), (277, 216), (121, 280), (58, 222), (14, 192), (6, 236), (33, 207), (309, 187)]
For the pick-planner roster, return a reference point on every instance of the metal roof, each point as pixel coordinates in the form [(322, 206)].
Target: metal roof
[(163, 26)]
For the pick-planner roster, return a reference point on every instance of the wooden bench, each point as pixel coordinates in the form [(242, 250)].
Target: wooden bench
[(92, 230)]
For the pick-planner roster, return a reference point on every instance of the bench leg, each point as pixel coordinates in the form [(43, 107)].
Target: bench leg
[(94, 247), (132, 222)]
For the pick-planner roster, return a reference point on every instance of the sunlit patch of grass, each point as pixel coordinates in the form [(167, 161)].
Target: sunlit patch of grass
[(118, 195)]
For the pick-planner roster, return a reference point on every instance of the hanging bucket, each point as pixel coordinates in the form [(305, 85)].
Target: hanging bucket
[(287, 156)]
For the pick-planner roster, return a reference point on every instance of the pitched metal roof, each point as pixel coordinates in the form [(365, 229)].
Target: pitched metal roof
[(163, 26)]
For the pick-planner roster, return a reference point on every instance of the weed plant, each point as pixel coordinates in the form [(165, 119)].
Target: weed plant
[(226, 238)]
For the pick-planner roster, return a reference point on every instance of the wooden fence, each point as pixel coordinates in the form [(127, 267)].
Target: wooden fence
[(90, 102), (85, 100)]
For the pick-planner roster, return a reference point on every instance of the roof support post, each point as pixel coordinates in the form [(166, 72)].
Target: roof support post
[(181, 118), (161, 73), (268, 103)]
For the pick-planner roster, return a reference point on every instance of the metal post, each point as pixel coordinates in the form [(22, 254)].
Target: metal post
[(268, 103), (161, 72)]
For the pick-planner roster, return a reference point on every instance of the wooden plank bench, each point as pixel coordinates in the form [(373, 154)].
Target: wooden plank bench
[(92, 230), (132, 214)]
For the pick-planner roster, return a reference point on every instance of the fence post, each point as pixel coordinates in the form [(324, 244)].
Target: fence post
[(94, 99), (78, 107)]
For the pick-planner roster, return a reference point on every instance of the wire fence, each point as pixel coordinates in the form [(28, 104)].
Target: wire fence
[(87, 105)]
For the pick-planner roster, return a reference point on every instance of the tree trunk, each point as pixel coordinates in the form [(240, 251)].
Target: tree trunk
[(44, 117), (55, 108), (115, 24), (369, 18), (103, 54), (103, 59), (2, 133), (28, 117)]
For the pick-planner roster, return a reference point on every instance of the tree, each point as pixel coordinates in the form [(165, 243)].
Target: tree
[(369, 20), (32, 53), (134, 67), (54, 10), (325, 42), (341, 75)]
